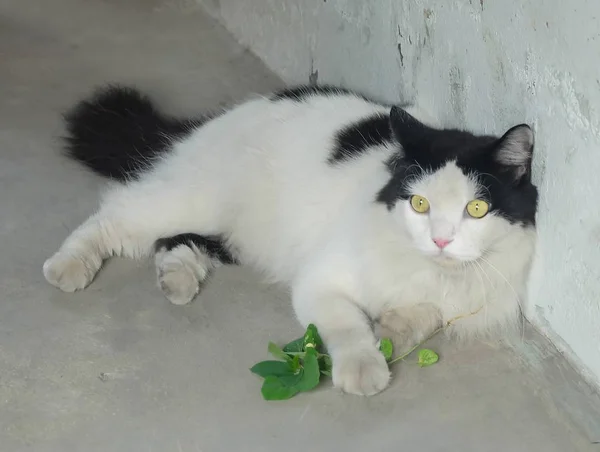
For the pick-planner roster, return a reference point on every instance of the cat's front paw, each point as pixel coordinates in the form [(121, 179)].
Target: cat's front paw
[(409, 325), (70, 273), (361, 372)]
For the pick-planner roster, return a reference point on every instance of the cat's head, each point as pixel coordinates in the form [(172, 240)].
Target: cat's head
[(458, 194)]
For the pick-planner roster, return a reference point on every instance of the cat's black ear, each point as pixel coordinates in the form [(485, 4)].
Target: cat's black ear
[(514, 152), (411, 133)]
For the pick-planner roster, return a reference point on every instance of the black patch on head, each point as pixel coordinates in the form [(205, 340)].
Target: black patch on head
[(501, 165), (357, 138), (303, 92), (214, 246), (118, 132)]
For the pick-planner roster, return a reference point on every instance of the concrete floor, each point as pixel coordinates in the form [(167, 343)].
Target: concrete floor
[(116, 368)]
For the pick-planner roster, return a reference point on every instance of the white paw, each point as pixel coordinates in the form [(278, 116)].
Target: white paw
[(178, 283), (360, 372), (70, 273), (408, 325)]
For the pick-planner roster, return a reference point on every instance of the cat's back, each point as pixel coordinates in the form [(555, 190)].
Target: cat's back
[(302, 122), (299, 147)]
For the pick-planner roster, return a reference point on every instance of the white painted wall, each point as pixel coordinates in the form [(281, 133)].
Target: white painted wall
[(485, 65)]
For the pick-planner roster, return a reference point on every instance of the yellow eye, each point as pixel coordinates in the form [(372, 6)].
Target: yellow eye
[(419, 203), (478, 208)]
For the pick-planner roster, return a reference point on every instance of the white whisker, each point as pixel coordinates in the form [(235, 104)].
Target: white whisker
[(517, 297)]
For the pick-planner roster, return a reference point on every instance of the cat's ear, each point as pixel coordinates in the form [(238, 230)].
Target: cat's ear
[(514, 152), (411, 133)]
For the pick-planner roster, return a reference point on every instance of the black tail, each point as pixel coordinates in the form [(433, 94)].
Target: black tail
[(118, 133)]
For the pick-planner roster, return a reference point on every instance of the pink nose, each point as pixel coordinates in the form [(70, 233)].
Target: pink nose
[(441, 243)]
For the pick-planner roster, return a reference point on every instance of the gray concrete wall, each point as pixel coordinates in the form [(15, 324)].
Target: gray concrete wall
[(485, 65)]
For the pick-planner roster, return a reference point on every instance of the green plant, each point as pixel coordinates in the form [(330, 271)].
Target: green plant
[(301, 363), (298, 369), (427, 357)]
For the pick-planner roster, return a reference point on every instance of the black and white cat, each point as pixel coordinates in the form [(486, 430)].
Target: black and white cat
[(367, 213)]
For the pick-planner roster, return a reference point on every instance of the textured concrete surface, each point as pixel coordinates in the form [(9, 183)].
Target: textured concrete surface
[(488, 65), (116, 368)]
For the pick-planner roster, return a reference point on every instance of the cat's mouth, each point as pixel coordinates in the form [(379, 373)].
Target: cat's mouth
[(445, 259)]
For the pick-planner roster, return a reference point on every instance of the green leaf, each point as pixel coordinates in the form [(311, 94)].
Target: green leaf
[(276, 368), (427, 357), (295, 346), (277, 352), (312, 338), (311, 374), (325, 365), (295, 364), (274, 389), (387, 348), (293, 379)]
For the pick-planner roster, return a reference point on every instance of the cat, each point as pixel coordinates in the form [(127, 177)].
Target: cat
[(377, 221)]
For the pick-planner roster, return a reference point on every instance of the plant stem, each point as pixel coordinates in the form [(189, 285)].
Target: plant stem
[(443, 327), (303, 354)]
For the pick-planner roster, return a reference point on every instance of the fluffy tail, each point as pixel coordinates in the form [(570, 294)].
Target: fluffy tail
[(118, 133)]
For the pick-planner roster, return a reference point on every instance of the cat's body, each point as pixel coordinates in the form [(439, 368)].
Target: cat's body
[(313, 187)]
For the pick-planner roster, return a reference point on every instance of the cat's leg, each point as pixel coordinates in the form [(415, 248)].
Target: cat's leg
[(358, 365), (409, 325), (128, 224), (184, 262), (81, 255)]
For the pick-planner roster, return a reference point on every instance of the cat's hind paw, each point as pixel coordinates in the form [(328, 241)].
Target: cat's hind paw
[(69, 272), (178, 284), (180, 274)]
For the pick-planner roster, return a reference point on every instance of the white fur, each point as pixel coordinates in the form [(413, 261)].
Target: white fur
[(259, 175), (180, 272)]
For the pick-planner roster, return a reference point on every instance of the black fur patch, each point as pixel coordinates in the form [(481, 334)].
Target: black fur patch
[(301, 93), (357, 138), (213, 246), (118, 133), (509, 192)]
